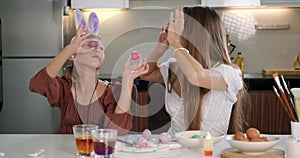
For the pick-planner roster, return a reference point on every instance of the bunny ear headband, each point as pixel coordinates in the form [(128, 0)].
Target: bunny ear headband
[(93, 25)]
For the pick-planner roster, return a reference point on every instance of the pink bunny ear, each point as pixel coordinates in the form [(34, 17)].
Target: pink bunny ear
[(94, 24), (79, 19)]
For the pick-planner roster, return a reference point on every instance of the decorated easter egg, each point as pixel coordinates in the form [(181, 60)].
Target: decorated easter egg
[(143, 144), (146, 134), (94, 44), (165, 138), (131, 139), (135, 55)]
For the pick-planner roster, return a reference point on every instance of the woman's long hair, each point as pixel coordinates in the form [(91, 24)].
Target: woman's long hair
[(68, 73), (205, 38)]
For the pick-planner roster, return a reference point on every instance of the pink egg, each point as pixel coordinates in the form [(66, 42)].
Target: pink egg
[(140, 139), (135, 55), (165, 138), (93, 44), (143, 144), (146, 134)]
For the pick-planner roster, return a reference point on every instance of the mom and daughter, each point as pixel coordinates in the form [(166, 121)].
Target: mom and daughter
[(203, 89)]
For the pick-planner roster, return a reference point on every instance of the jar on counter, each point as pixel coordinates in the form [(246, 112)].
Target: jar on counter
[(239, 61)]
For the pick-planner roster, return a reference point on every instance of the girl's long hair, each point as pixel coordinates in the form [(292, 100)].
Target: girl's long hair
[(205, 38)]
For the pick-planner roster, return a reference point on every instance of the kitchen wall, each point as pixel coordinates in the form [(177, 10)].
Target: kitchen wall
[(138, 28), (264, 48)]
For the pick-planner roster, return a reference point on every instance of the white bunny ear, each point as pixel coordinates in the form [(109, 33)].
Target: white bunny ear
[(94, 23), (79, 19)]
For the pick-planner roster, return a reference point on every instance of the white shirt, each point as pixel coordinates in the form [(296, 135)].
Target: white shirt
[(216, 104)]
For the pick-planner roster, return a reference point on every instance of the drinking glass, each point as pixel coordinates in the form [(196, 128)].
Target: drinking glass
[(295, 129), (83, 139), (104, 142), (293, 147)]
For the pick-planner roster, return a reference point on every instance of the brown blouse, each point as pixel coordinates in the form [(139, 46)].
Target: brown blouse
[(58, 92)]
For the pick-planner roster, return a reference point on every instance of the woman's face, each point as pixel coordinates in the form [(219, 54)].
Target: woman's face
[(93, 58)]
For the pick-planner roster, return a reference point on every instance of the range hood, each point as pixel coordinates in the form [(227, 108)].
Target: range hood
[(231, 3), (97, 4)]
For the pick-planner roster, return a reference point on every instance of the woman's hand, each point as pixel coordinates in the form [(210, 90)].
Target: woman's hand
[(131, 72), (162, 43), (176, 26), (79, 39)]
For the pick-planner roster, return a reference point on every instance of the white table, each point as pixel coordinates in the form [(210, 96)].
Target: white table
[(63, 146)]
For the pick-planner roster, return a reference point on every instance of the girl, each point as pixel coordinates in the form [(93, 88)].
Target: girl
[(201, 83), (80, 95)]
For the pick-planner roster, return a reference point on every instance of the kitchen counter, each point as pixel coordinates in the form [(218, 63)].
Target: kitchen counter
[(257, 81), (254, 81), (63, 146)]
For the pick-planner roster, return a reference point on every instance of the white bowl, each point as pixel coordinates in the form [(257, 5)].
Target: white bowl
[(253, 148), (185, 138)]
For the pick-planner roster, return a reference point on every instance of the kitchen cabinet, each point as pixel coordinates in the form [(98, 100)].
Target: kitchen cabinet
[(140, 123), (230, 3), (280, 2), (158, 122), (266, 113), (160, 4), (88, 4)]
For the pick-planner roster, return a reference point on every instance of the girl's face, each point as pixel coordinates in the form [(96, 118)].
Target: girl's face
[(93, 57)]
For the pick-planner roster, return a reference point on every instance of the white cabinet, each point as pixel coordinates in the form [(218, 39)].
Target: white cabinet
[(161, 4), (91, 4), (292, 3), (231, 3)]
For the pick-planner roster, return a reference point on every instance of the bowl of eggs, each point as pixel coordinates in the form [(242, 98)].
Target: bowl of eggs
[(194, 138), (252, 142)]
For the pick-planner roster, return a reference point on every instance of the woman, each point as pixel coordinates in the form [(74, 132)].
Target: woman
[(201, 83), (80, 95)]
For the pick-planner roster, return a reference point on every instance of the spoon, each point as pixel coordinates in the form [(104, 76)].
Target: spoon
[(37, 153), (2, 154), (125, 142)]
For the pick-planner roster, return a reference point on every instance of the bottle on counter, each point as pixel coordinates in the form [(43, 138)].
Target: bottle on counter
[(239, 61), (208, 146), (232, 59)]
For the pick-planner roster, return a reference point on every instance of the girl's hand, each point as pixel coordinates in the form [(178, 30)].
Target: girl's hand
[(79, 39), (162, 43), (132, 72), (176, 26)]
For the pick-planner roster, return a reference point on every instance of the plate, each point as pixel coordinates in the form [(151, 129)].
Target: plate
[(253, 148), (151, 148)]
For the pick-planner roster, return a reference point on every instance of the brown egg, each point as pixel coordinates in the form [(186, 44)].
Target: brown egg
[(245, 140), (265, 139), (252, 133), (256, 140), (239, 136)]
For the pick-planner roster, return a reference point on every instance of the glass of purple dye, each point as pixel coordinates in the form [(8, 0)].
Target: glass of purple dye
[(104, 142)]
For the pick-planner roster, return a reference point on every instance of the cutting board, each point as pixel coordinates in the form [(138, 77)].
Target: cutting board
[(234, 153), (284, 72)]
